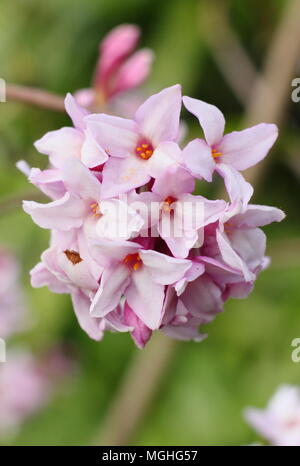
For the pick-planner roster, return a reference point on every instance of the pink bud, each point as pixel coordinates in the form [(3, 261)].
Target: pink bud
[(141, 332), (133, 72), (115, 47)]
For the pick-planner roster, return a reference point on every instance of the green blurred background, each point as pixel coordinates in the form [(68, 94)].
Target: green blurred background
[(54, 45)]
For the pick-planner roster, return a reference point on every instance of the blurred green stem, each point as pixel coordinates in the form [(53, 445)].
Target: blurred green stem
[(36, 97)]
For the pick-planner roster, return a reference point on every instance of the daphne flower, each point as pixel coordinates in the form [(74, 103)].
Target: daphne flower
[(118, 68), (72, 142), (136, 147), (181, 213), (227, 154), (138, 274), (279, 423), (130, 243), (242, 244)]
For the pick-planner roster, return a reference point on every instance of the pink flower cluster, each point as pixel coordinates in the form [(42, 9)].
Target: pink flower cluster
[(279, 423), (130, 242)]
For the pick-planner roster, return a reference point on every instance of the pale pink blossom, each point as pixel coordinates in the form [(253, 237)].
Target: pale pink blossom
[(26, 385), (137, 147), (229, 154), (279, 422)]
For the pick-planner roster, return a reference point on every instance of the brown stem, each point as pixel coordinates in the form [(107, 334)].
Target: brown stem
[(136, 391), (36, 97)]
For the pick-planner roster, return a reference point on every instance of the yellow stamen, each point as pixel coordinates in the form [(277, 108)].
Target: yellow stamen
[(215, 153)]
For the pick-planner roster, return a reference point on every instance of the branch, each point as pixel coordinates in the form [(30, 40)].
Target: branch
[(136, 391), (36, 97)]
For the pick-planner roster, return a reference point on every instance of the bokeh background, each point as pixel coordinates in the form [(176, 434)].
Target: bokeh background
[(204, 388)]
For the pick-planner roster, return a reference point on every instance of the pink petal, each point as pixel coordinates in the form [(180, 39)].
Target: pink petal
[(158, 117), (48, 181), (180, 246), (115, 322), (92, 153), (107, 253), (114, 282), (202, 298), (198, 159), (63, 214), (123, 175), (210, 118), (60, 144), (75, 111), (140, 333), (80, 181), (164, 269), (78, 274), (118, 220), (237, 187), (174, 182), (242, 149), (231, 257), (41, 276), (257, 216), (166, 155), (250, 245), (117, 136), (92, 326), (116, 46), (133, 72), (146, 297)]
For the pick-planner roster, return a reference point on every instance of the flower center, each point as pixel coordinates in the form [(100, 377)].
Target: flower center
[(215, 153), (73, 256), (95, 209), (133, 261), (144, 149), (168, 203)]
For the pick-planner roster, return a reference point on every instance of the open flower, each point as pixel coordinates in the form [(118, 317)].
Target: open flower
[(136, 147), (72, 142), (138, 274), (182, 214), (279, 423), (229, 154)]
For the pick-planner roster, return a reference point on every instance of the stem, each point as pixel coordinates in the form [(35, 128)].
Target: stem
[(36, 97), (136, 391)]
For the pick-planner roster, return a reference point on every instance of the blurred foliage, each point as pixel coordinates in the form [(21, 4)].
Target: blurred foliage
[(54, 45)]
